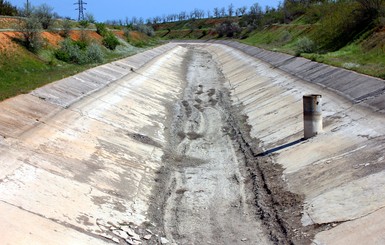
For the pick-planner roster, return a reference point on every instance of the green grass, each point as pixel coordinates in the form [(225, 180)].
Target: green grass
[(23, 71), (365, 55), (282, 38), (354, 57)]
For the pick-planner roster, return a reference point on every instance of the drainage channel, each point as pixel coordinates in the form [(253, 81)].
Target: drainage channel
[(210, 191)]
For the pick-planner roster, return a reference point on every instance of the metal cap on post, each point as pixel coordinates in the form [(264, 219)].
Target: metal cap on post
[(312, 115)]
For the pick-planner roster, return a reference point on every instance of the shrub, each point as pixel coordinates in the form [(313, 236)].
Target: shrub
[(286, 36), (84, 23), (228, 29), (31, 29), (66, 26), (305, 45), (94, 54), (84, 40), (101, 29), (148, 30), (126, 32), (340, 26), (90, 18), (71, 52), (110, 41)]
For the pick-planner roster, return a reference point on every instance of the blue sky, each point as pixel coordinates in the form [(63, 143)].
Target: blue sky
[(120, 9)]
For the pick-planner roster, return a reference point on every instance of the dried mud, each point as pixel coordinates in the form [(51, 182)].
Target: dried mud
[(214, 186)]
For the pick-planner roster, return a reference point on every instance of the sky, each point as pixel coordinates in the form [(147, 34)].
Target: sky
[(104, 10)]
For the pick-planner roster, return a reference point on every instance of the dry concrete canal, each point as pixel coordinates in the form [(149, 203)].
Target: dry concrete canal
[(195, 143)]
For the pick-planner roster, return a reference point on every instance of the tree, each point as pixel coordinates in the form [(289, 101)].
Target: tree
[(7, 9), (230, 10), (182, 15), (90, 18), (44, 14), (223, 12), (31, 30), (241, 11), (228, 28), (216, 12), (27, 9), (255, 14), (197, 14), (371, 8), (208, 14), (66, 25)]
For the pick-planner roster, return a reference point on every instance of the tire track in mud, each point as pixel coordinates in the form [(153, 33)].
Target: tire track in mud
[(207, 201), (213, 187)]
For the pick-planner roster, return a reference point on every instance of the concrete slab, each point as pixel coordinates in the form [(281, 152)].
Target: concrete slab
[(33, 228), (73, 159), (95, 149), (341, 171), (23, 112), (366, 230)]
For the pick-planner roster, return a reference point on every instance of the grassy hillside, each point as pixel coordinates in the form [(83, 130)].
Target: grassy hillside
[(189, 29), (364, 54), (22, 70), (348, 34)]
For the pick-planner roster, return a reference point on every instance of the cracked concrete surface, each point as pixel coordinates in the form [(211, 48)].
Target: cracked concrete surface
[(91, 148)]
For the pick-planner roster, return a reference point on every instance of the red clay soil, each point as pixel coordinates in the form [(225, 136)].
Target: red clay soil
[(120, 34), (7, 45), (52, 38), (137, 36), (76, 35)]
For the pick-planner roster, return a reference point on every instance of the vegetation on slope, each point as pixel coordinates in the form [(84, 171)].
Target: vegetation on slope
[(348, 34), (345, 33), (37, 53)]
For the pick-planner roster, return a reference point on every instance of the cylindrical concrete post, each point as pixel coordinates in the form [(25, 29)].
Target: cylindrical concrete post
[(312, 115)]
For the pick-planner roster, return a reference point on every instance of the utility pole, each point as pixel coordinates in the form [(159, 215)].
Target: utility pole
[(81, 9), (27, 9)]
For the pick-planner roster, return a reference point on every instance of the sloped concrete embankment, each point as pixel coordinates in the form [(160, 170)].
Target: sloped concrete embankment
[(358, 88), (75, 165), (79, 157), (340, 173)]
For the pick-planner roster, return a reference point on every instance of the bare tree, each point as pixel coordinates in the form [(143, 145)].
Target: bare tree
[(255, 15), (197, 14), (90, 17), (216, 13), (230, 10), (134, 20), (200, 13), (208, 14), (241, 11), (44, 14), (223, 12), (372, 7), (182, 15)]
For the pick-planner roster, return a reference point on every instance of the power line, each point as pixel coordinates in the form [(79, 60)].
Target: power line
[(81, 9)]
